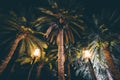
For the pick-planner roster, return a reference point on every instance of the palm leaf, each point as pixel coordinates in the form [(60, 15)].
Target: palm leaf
[(22, 48), (24, 60), (46, 11), (79, 26)]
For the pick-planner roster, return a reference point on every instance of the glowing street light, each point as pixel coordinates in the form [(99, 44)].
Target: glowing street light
[(87, 56), (36, 55)]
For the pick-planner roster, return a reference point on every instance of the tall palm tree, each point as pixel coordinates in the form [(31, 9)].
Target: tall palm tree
[(102, 34), (60, 21), (16, 29), (105, 34)]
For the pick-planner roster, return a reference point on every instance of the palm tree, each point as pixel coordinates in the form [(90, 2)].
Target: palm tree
[(101, 35), (17, 26), (59, 22), (97, 58), (103, 25)]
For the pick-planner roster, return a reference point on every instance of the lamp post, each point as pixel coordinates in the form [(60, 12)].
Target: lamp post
[(36, 55), (87, 56)]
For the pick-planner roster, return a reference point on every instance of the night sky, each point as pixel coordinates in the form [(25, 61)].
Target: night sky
[(93, 4)]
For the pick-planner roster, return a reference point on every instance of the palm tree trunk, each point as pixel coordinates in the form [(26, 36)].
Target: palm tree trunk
[(110, 62), (10, 54), (40, 66), (68, 68), (61, 58)]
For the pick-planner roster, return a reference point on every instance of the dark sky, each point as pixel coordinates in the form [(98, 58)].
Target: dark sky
[(94, 4), (90, 5)]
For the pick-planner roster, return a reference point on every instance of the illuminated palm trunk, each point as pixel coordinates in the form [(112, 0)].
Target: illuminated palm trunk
[(61, 58), (10, 54), (110, 62)]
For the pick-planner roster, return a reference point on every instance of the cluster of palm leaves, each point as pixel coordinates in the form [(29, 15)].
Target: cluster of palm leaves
[(20, 38), (100, 46), (62, 34)]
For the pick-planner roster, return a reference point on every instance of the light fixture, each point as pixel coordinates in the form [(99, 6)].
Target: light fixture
[(36, 53), (87, 54)]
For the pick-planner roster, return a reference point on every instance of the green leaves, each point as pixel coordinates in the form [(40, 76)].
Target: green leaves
[(24, 60), (46, 11), (12, 25), (52, 20)]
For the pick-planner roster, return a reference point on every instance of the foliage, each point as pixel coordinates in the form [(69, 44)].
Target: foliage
[(101, 36), (54, 18), (13, 24)]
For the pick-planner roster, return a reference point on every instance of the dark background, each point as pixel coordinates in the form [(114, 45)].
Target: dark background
[(92, 4)]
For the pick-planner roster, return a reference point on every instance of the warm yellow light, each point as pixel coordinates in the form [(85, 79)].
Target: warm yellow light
[(37, 53), (87, 54)]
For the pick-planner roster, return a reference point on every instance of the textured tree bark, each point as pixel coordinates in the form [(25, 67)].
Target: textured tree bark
[(10, 54), (61, 58), (110, 62)]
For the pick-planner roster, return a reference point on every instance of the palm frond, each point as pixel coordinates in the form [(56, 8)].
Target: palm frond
[(22, 48), (24, 60), (46, 11), (78, 25)]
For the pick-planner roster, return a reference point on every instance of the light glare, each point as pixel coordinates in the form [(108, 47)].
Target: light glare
[(87, 54), (37, 53)]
